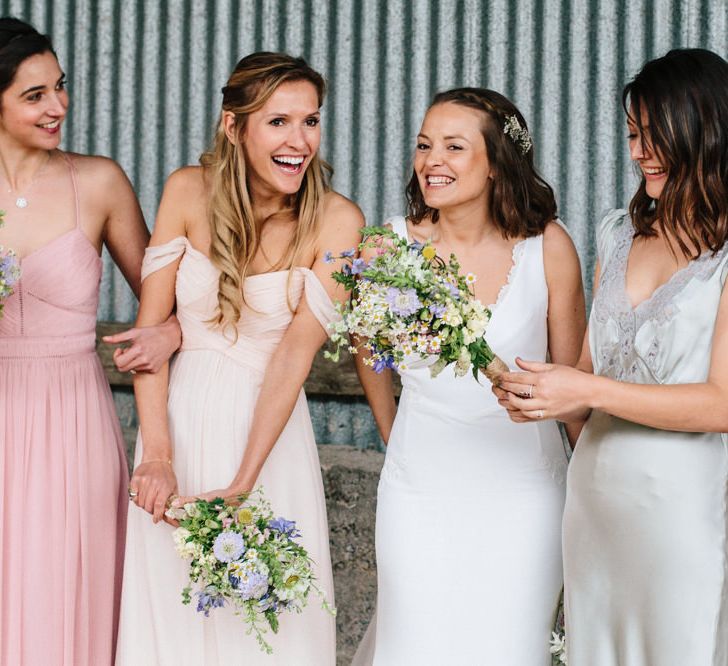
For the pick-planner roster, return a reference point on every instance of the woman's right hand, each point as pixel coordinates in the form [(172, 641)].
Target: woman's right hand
[(154, 482)]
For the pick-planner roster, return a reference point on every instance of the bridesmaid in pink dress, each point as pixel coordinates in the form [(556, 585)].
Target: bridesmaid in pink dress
[(63, 471)]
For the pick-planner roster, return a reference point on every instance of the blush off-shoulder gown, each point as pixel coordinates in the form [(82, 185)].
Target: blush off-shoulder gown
[(213, 388)]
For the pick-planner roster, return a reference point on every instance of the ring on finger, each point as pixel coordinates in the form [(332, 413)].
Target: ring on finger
[(539, 414), (133, 494)]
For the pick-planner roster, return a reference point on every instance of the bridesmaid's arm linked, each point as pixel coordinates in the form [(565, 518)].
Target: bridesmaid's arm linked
[(154, 479), (291, 362), (126, 237), (566, 393)]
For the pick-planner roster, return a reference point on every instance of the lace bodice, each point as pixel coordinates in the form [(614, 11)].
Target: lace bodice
[(667, 338)]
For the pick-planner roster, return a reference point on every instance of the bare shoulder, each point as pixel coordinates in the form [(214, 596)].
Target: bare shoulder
[(341, 213), (557, 242), (184, 203), (187, 181), (559, 253), (99, 171)]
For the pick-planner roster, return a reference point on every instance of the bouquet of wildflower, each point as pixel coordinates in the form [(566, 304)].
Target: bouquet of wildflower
[(242, 557), (9, 270), (407, 300)]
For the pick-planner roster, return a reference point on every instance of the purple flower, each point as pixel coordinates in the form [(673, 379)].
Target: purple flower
[(349, 253), (329, 258), (416, 245), (403, 302), (454, 291), (437, 310), (287, 527), (358, 265), (253, 586), (208, 599), (382, 364), (228, 546)]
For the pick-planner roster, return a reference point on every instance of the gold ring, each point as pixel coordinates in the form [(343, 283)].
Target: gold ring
[(132, 494)]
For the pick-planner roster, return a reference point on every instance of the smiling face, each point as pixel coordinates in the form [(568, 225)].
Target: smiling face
[(643, 153), (33, 107), (281, 139), (451, 161)]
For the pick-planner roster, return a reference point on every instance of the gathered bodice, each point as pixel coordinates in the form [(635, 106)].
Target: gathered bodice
[(666, 339), (518, 327), (52, 310), (270, 301)]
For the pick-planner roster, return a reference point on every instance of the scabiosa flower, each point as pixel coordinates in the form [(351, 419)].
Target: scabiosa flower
[(249, 581), (228, 546), (403, 302)]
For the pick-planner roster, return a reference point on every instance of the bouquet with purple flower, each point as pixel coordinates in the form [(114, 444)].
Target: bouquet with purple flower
[(9, 270), (242, 557), (406, 300)]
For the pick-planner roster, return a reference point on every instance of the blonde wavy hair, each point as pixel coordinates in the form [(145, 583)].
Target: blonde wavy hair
[(235, 236)]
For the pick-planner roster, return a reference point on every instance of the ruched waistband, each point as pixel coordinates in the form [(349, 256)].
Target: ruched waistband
[(47, 347)]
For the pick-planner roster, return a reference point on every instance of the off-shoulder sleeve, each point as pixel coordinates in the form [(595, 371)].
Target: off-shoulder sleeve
[(606, 233), (318, 299), (157, 257)]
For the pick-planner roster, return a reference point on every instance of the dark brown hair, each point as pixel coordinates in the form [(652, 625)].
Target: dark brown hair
[(684, 99), (18, 42), (521, 202)]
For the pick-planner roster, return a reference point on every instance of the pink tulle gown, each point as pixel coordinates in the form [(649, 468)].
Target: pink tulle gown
[(62, 465)]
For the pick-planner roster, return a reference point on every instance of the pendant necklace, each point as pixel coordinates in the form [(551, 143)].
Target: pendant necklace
[(21, 201)]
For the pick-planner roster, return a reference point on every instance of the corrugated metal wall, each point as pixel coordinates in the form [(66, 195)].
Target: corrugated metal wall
[(145, 80)]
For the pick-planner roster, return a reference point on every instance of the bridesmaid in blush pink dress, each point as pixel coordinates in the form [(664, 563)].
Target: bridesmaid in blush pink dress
[(63, 471), (240, 242)]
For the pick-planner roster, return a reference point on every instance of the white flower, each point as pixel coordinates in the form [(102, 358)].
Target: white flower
[(471, 279), (558, 646), (185, 549), (462, 365), (193, 511)]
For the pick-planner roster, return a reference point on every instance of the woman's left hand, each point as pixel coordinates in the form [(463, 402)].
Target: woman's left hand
[(150, 348), (545, 391)]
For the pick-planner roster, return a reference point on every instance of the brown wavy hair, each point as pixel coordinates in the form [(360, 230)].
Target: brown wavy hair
[(684, 96), (235, 236), (521, 201)]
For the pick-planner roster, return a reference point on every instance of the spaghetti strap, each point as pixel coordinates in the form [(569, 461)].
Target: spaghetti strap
[(72, 170)]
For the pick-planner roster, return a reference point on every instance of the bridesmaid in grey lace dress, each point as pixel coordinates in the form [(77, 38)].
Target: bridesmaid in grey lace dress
[(645, 550)]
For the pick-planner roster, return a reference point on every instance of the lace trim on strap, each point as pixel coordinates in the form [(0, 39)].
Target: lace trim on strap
[(622, 361), (516, 254), (157, 257)]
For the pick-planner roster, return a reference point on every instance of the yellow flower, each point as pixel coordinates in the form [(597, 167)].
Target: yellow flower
[(429, 252), (245, 516)]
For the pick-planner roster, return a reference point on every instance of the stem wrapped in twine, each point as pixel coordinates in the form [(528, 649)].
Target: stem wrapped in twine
[(494, 370)]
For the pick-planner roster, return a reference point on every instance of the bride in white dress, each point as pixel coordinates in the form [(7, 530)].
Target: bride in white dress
[(468, 532), (240, 242)]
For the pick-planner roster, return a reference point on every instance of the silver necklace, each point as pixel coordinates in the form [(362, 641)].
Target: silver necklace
[(21, 201)]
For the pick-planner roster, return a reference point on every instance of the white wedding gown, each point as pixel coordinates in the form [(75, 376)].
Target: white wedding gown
[(468, 532)]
